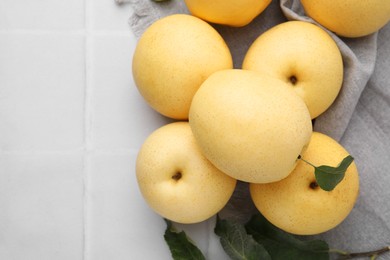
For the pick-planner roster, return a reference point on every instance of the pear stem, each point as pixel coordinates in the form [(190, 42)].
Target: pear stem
[(372, 254)]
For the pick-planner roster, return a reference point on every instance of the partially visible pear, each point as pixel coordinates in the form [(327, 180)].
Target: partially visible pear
[(349, 18)]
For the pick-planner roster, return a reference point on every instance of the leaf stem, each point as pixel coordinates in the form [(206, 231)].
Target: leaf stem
[(372, 254), (309, 163)]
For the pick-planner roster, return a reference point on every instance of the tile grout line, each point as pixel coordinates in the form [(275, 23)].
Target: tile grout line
[(95, 151), (87, 127), (81, 32), (88, 149), (39, 32)]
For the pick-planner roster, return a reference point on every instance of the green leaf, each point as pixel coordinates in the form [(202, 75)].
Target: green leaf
[(180, 246), (281, 245), (237, 243), (328, 177)]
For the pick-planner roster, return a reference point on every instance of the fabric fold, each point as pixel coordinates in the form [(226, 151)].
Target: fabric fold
[(147, 12)]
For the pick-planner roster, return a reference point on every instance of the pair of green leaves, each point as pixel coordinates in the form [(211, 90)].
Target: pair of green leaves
[(257, 239), (327, 177)]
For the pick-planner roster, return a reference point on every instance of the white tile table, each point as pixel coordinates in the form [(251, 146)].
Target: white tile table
[(71, 123)]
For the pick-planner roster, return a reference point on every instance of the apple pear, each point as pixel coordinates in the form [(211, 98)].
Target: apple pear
[(302, 55), (349, 18), (249, 125), (228, 12), (172, 59), (176, 180), (297, 204)]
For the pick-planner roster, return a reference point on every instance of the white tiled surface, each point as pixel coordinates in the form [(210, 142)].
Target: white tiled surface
[(119, 119), (71, 123), (42, 90), (42, 15), (41, 205), (116, 210)]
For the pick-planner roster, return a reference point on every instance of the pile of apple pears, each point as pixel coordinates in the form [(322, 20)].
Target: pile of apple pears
[(252, 124)]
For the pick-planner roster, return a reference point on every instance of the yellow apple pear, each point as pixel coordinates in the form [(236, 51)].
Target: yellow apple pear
[(172, 59), (249, 125), (176, 180), (297, 204), (349, 18), (302, 55), (228, 12)]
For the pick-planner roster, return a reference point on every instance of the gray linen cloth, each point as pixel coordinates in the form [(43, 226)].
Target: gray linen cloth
[(359, 118)]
